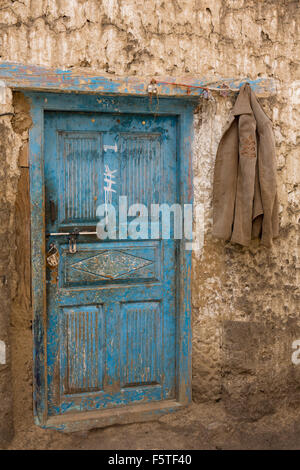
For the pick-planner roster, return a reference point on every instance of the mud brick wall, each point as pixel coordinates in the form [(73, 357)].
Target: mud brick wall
[(245, 301), (9, 173)]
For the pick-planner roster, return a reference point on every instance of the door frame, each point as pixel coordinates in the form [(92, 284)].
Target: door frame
[(183, 110)]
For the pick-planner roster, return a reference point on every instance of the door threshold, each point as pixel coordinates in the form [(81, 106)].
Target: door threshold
[(102, 418)]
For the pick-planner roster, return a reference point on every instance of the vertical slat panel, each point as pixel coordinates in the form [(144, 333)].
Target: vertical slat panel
[(141, 344), (141, 168), (84, 349), (81, 161)]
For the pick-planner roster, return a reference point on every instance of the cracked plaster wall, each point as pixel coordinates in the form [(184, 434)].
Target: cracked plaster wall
[(237, 293)]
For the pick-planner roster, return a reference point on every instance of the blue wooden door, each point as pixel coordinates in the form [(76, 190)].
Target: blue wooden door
[(111, 305)]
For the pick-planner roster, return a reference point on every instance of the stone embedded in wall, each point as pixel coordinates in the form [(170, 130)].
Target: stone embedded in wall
[(259, 374)]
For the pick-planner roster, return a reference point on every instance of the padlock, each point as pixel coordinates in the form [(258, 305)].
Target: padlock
[(52, 257)]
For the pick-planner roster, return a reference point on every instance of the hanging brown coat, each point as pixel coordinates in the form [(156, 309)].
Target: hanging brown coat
[(245, 203)]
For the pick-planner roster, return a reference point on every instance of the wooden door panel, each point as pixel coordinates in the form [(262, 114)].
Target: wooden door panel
[(106, 263), (83, 352), (80, 164), (141, 344), (111, 313)]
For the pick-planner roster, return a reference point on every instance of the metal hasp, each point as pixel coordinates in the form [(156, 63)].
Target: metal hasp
[(72, 237)]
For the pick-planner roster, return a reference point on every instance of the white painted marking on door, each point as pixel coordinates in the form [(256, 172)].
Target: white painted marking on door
[(109, 179), (110, 147)]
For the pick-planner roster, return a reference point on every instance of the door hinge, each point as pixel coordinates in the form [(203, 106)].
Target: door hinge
[(52, 211)]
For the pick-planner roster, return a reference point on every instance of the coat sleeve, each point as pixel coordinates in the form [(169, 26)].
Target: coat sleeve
[(268, 185), (225, 179), (267, 172), (257, 207)]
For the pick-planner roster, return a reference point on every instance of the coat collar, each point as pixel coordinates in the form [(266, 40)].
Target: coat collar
[(243, 102)]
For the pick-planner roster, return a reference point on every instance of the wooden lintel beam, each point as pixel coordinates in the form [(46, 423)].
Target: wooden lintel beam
[(33, 77)]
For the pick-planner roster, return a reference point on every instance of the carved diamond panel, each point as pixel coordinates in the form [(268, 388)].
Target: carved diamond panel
[(111, 264)]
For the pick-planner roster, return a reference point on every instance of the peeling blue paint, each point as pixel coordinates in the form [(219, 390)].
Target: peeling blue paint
[(44, 79), (110, 305)]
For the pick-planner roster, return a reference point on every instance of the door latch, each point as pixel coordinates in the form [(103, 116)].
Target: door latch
[(73, 236)]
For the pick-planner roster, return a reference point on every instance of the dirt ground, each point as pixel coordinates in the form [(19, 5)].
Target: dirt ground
[(202, 426)]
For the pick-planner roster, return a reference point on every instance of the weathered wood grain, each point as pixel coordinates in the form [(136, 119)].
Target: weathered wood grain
[(23, 293), (33, 77)]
